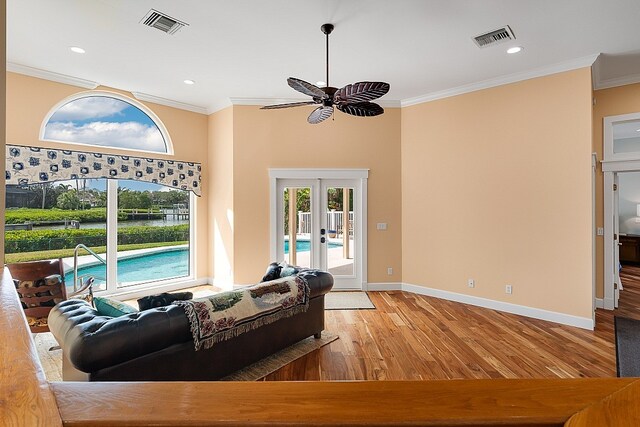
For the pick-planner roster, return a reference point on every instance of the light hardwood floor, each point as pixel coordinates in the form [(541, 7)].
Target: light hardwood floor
[(413, 337)]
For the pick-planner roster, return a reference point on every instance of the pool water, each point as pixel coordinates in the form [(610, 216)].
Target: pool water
[(305, 246), (142, 268)]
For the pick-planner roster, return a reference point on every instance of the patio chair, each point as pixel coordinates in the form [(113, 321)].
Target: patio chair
[(40, 286)]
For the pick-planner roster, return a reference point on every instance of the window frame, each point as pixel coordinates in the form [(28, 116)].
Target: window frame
[(108, 94)]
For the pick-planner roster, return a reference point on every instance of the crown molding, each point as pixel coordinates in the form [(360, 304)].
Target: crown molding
[(270, 101), (169, 103), (50, 75), (585, 61), (615, 82)]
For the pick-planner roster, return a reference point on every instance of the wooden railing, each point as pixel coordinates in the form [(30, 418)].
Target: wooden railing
[(26, 399)]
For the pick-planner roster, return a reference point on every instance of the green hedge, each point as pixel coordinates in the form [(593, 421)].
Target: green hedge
[(44, 240), (23, 215)]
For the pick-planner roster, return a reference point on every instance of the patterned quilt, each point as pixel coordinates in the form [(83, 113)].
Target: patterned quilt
[(226, 315)]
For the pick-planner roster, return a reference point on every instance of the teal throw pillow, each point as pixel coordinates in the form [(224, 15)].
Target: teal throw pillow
[(112, 308)]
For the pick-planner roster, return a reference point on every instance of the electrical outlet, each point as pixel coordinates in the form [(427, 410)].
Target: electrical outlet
[(381, 226), (471, 283), (508, 289), (600, 231), (390, 271)]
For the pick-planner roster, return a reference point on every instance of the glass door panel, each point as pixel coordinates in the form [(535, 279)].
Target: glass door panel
[(153, 233), (340, 249), (298, 226)]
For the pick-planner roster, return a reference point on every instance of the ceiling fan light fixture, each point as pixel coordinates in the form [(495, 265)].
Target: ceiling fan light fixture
[(353, 99)]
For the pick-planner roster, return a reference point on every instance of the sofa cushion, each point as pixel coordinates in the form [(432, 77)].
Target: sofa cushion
[(112, 308)]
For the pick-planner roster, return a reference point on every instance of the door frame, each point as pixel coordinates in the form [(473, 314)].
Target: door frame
[(359, 175), (613, 164)]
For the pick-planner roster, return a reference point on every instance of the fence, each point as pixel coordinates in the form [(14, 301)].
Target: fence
[(334, 222)]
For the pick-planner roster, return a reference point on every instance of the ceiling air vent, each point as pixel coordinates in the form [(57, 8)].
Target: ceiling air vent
[(498, 36), (162, 22)]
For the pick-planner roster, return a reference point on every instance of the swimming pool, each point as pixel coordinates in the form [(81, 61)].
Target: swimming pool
[(144, 267), (305, 246)]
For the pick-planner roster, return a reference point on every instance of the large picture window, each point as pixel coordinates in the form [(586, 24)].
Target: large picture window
[(47, 221)]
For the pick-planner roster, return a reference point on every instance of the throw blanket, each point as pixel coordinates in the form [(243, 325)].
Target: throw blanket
[(228, 314)]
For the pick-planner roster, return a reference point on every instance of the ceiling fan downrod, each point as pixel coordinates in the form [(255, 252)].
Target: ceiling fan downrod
[(327, 29)]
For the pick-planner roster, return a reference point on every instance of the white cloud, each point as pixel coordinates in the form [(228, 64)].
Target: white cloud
[(93, 107), (132, 135)]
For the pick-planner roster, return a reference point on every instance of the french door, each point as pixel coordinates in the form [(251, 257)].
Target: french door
[(319, 223)]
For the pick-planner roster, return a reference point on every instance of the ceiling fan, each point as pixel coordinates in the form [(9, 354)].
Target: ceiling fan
[(352, 99)]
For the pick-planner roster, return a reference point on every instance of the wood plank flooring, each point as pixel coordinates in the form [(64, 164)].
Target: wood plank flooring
[(413, 337)]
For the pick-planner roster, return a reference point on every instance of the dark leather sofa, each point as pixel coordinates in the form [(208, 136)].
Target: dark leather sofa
[(157, 345)]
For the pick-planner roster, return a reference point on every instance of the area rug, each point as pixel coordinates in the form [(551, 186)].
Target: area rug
[(272, 363), (348, 301), (52, 360), (627, 347)]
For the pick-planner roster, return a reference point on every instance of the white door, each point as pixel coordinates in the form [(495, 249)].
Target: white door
[(616, 240), (319, 223), (340, 242)]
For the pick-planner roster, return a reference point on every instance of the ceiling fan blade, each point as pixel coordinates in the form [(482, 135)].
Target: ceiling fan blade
[(320, 114), (361, 109), (306, 88), (361, 92), (292, 104)]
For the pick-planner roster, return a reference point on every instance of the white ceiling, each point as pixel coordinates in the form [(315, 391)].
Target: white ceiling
[(237, 49)]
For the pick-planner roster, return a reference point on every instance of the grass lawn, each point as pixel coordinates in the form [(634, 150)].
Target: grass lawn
[(63, 253)]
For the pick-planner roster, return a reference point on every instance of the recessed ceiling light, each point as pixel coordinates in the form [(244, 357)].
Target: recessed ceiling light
[(637, 130), (77, 49), (189, 82), (514, 49), (321, 83)]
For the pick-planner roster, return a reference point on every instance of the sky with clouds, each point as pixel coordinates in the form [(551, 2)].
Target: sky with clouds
[(104, 121)]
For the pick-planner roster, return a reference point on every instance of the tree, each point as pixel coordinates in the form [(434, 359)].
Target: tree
[(68, 200)]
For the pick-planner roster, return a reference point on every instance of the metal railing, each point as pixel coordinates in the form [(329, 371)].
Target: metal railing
[(334, 222), (75, 263)]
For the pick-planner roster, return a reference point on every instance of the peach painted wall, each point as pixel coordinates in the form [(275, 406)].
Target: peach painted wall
[(3, 73), (29, 99), (284, 139), (496, 186), (221, 237), (608, 102)]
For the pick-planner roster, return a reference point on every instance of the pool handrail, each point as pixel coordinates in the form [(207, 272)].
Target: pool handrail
[(75, 262)]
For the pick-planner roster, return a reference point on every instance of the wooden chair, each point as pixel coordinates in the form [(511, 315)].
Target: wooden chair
[(37, 301)]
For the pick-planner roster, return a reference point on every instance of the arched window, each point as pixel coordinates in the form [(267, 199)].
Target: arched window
[(106, 119)]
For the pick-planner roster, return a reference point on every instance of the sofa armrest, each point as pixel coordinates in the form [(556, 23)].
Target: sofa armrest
[(320, 282), (93, 342)]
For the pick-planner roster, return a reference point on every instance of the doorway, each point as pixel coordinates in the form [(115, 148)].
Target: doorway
[(318, 220), (621, 160)]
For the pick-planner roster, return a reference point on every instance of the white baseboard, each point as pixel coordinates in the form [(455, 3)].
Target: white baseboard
[(536, 313), (385, 286), (599, 303)]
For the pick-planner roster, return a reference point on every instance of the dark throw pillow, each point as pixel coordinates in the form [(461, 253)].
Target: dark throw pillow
[(162, 300), (273, 272)]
